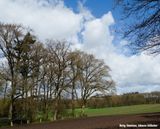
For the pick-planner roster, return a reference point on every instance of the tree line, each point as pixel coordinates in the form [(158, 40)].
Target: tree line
[(124, 100), (33, 73)]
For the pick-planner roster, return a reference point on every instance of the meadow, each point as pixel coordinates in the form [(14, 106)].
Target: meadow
[(133, 109)]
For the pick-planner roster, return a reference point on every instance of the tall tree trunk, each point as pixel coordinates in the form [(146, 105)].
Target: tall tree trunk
[(11, 111), (73, 106), (84, 102), (56, 109), (57, 102)]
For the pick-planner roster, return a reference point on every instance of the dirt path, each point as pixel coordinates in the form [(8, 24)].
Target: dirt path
[(100, 122)]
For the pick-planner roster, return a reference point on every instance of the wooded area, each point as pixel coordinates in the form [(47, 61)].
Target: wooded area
[(36, 77)]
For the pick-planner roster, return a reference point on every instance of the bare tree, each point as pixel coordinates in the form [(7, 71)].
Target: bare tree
[(9, 37), (143, 29), (15, 44), (94, 77), (38, 57), (74, 73), (59, 66), (46, 89)]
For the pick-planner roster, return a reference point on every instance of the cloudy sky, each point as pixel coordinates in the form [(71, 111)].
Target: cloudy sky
[(90, 26)]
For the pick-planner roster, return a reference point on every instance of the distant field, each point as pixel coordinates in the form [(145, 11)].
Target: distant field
[(135, 109)]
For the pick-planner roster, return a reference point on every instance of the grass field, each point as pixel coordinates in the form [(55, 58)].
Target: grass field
[(134, 109)]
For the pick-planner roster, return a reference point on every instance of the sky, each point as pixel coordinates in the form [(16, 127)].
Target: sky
[(90, 26)]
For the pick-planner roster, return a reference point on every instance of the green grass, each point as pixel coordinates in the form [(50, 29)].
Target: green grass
[(135, 109)]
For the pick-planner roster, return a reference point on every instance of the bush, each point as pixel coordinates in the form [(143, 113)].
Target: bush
[(4, 108), (4, 121)]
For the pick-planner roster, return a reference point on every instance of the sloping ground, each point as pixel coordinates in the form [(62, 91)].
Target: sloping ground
[(101, 122)]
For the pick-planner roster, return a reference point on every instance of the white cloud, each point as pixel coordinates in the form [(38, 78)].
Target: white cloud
[(48, 21), (55, 20), (135, 73), (131, 73), (96, 35)]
